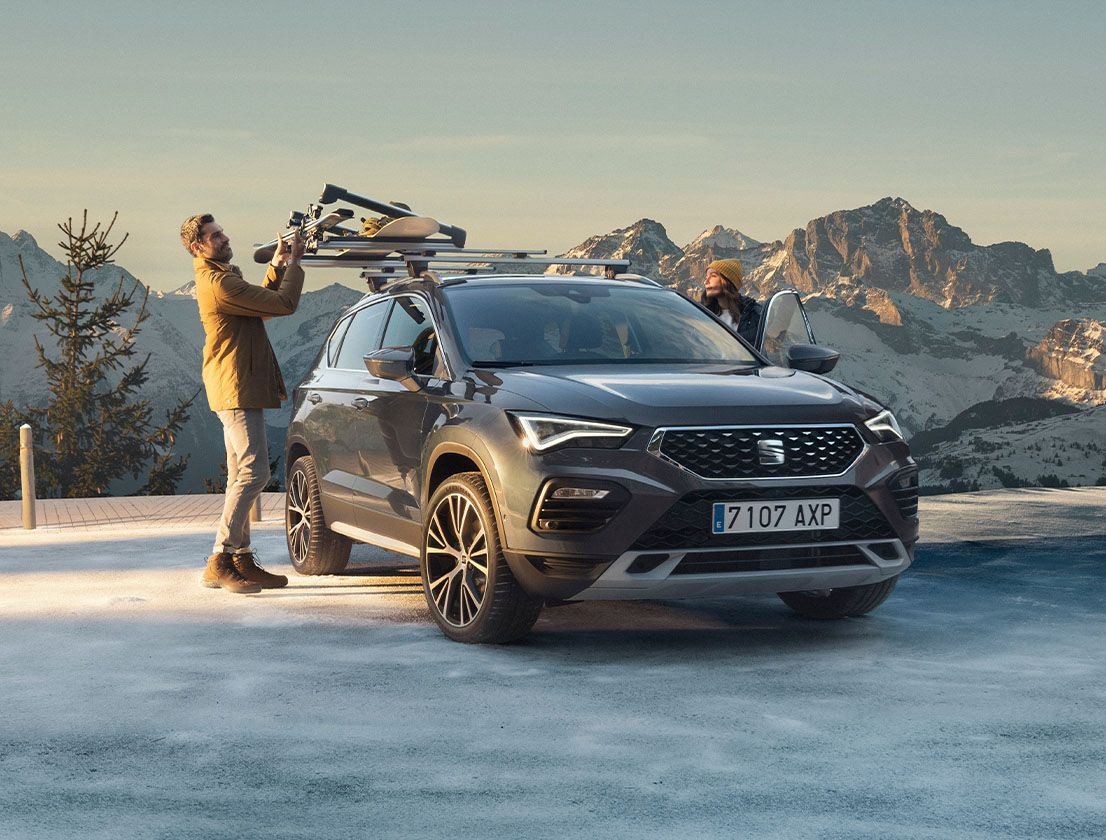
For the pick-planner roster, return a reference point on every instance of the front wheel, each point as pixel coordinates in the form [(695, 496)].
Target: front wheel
[(312, 547), (468, 585), (841, 602)]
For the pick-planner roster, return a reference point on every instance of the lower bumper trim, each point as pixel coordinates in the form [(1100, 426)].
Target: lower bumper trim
[(697, 573)]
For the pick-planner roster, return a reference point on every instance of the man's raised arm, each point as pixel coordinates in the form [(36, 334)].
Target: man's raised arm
[(278, 295)]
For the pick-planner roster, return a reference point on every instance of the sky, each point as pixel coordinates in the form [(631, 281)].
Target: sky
[(538, 125)]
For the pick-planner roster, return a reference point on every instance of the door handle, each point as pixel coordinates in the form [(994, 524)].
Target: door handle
[(360, 403), (314, 398)]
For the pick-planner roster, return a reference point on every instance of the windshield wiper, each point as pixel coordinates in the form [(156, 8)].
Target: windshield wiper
[(483, 363)]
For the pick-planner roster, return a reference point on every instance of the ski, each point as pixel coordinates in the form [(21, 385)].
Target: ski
[(311, 228)]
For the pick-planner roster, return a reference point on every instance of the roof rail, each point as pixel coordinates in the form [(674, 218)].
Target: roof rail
[(330, 245)]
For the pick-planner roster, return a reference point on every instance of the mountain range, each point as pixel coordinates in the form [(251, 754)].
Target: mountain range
[(928, 322)]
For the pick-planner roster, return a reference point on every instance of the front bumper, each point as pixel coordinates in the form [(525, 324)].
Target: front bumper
[(596, 565)]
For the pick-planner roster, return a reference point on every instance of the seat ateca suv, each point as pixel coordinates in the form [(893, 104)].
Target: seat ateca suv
[(542, 438)]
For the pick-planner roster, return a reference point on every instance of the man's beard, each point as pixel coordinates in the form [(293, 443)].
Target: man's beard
[(224, 254)]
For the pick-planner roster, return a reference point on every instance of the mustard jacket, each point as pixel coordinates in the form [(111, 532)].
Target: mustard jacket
[(240, 369)]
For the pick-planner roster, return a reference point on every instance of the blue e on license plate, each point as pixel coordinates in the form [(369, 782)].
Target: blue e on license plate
[(776, 515)]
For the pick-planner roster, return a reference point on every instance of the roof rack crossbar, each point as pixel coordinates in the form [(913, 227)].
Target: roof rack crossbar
[(479, 259), (450, 259), (416, 246)]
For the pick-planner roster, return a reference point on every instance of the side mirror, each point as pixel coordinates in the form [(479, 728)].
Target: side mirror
[(812, 358), (394, 363)]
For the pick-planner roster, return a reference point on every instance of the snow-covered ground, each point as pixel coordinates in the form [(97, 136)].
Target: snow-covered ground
[(973, 703)]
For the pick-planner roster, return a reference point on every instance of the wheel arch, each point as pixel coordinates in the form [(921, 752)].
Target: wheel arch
[(294, 450), (451, 458)]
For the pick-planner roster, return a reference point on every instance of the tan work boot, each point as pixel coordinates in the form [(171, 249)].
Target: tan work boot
[(221, 574), (246, 565)]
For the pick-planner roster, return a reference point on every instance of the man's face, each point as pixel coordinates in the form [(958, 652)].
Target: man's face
[(213, 244)]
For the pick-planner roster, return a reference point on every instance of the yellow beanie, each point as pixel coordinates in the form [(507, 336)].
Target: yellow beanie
[(730, 269)]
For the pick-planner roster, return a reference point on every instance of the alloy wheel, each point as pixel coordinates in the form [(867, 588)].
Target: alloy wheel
[(457, 559), (299, 516)]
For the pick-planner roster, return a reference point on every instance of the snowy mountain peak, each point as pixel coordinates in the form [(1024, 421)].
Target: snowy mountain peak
[(23, 239), (187, 290), (645, 243), (721, 237)]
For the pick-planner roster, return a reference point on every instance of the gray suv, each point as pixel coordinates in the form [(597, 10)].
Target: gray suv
[(536, 439)]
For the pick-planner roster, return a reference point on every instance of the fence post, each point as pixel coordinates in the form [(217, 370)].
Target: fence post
[(255, 511), (27, 475)]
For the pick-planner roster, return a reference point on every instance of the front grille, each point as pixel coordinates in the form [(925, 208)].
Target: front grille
[(771, 559), (687, 524), (732, 452)]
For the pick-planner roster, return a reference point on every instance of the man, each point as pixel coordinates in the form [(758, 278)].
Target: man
[(242, 378)]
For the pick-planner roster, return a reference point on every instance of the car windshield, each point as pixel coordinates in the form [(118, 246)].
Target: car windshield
[(566, 322)]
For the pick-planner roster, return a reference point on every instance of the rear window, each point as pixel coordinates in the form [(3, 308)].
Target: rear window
[(586, 322), (362, 336)]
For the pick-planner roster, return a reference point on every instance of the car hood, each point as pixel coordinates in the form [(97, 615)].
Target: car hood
[(688, 395)]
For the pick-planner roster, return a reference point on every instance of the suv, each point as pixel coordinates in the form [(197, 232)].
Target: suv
[(542, 438)]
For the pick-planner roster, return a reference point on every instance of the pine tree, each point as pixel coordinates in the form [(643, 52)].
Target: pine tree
[(9, 450), (95, 428)]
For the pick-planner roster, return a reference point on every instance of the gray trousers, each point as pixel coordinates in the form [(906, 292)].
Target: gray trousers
[(247, 475)]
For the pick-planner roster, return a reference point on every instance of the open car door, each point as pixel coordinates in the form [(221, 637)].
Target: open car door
[(785, 336)]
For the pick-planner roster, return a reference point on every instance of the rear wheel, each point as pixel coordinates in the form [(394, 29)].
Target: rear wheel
[(312, 547), (841, 602), (468, 585)]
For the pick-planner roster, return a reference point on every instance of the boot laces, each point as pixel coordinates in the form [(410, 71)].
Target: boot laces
[(232, 569), (249, 559)]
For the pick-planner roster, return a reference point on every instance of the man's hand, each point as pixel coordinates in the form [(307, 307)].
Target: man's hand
[(288, 252)]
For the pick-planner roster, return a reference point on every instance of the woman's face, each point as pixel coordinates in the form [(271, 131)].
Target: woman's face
[(713, 284)]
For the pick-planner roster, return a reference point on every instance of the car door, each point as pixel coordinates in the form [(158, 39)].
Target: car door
[(783, 324), (333, 424), (396, 422)]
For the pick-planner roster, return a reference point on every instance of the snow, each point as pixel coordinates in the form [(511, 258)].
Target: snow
[(970, 704)]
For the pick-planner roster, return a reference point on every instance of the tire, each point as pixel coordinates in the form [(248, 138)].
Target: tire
[(471, 601), (312, 547), (841, 602)]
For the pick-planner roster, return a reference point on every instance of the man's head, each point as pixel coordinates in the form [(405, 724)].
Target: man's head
[(203, 237)]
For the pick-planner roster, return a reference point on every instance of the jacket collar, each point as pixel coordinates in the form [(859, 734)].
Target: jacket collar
[(204, 262)]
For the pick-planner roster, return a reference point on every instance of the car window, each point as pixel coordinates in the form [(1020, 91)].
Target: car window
[(362, 336), (564, 322), (336, 341), (410, 325)]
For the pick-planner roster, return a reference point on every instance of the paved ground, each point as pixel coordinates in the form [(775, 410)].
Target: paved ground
[(973, 703), (200, 510)]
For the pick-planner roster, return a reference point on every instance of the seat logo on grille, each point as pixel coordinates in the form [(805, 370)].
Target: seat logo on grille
[(770, 452)]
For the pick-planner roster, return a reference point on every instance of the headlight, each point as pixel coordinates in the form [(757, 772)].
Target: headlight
[(885, 427), (541, 432)]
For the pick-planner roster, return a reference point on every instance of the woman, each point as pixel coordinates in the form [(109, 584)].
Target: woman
[(722, 296)]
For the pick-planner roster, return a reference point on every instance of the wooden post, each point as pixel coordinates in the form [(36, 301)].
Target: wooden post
[(255, 511), (27, 475)]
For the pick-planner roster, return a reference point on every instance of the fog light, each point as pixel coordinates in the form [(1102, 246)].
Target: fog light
[(582, 493), (577, 505)]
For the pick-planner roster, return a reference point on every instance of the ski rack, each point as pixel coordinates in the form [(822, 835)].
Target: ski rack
[(382, 260)]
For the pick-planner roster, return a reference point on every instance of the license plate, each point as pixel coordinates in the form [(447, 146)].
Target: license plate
[(782, 515)]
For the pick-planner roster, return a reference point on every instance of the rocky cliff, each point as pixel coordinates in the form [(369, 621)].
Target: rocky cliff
[(1073, 352)]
